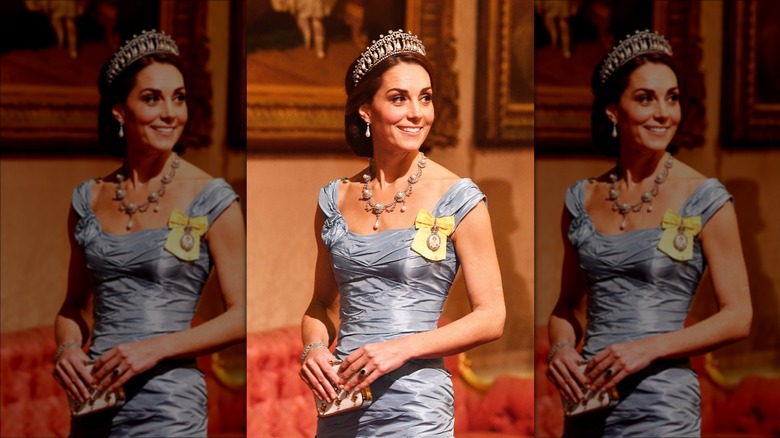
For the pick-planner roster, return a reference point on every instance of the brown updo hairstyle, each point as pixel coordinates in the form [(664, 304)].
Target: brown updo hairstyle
[(117, 92), (609, 93), (364, 91)]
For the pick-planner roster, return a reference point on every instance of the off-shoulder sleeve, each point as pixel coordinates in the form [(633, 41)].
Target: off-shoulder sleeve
[(706, 200), (459, 200), (580, 227), (214, 199), (87, 225), (335, 226)]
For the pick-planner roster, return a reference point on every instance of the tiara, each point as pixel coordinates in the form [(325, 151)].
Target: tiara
[(388, 45), (141, 45), (640, 43)]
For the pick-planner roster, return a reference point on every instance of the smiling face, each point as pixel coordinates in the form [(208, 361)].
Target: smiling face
[(155, 111), (648, 112), (401, 112)]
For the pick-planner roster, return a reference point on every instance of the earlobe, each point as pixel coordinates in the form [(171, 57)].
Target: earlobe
[(611, 112), (364, 113), (119, 113)]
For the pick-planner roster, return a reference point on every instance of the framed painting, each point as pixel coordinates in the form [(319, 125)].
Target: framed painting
[(49, 95), (751, 74), (566, 56), (295, 73), (505, 74)]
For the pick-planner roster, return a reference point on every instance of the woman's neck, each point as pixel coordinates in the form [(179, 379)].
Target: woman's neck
[(389, 168), (636, 167), (140, 168)]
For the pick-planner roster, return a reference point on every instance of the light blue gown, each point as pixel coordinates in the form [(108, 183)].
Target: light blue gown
[(142, 291), (634, 291), (388, 291)]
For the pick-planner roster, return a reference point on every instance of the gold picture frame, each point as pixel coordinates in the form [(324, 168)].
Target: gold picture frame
[(306, 118), (751, 89), (62, 119), (504, 115), (563, 113)]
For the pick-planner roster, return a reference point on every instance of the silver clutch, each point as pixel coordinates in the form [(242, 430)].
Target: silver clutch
[(592, 401), (98, 400), (344, 401)]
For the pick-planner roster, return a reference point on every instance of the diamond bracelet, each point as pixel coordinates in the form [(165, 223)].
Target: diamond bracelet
[(311, 347)]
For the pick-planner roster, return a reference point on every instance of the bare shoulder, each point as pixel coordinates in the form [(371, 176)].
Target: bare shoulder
[(598, 184), (188, 170), (192, 178), (439, 176), (685, 178), (105, 185)]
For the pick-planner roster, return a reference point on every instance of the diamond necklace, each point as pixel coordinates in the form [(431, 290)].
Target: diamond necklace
[(132, 208), (400, 197), (624, 208)]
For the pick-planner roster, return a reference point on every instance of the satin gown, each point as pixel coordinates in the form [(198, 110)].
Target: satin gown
[(389, 291), (634, 291), (142, 291)]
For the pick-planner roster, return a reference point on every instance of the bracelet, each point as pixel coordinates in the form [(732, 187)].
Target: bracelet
[(557, 347), (311, 347), (62, 347)]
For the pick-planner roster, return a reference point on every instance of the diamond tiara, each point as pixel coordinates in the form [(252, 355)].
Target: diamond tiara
[(640, 43), (388, 45), (141, 45)]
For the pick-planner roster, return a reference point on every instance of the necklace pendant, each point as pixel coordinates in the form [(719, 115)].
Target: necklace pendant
[(680, 240), (130, 224), (376, 224), (623, 223), (403, 208), (187, 242)]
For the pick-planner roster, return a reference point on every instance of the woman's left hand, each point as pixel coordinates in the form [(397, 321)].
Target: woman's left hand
[(123, 362), (370, 362), (617, 362)]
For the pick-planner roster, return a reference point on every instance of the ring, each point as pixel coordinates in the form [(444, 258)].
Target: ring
[(609, 372), (116, 371), (363, 372)]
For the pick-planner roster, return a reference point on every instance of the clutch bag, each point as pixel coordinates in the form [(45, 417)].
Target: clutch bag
[(344, 401), (98, 400), (592, 401)]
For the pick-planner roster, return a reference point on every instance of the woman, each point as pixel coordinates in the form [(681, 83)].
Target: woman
[(143, 240), (637, 240), (390, 240)]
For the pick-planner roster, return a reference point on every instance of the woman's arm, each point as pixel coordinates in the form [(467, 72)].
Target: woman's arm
[(565, 330), (723, 250), (320, 321), (70, 328), (227, 243), (477, 253)]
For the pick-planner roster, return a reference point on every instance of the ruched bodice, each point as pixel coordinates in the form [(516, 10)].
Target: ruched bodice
[(142, 291), (635, 290), (388, 291)]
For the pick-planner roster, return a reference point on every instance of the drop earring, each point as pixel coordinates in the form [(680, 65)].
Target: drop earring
[(614, 130), (368, 130), (121, 130)]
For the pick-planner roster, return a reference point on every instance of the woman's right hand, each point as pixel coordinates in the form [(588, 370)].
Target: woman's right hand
[(72, 374), (319, 374), (564, 372)]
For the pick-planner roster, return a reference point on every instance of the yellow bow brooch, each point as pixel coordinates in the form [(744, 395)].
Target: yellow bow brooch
[(677, 238), (184, 239), (431, 238)]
